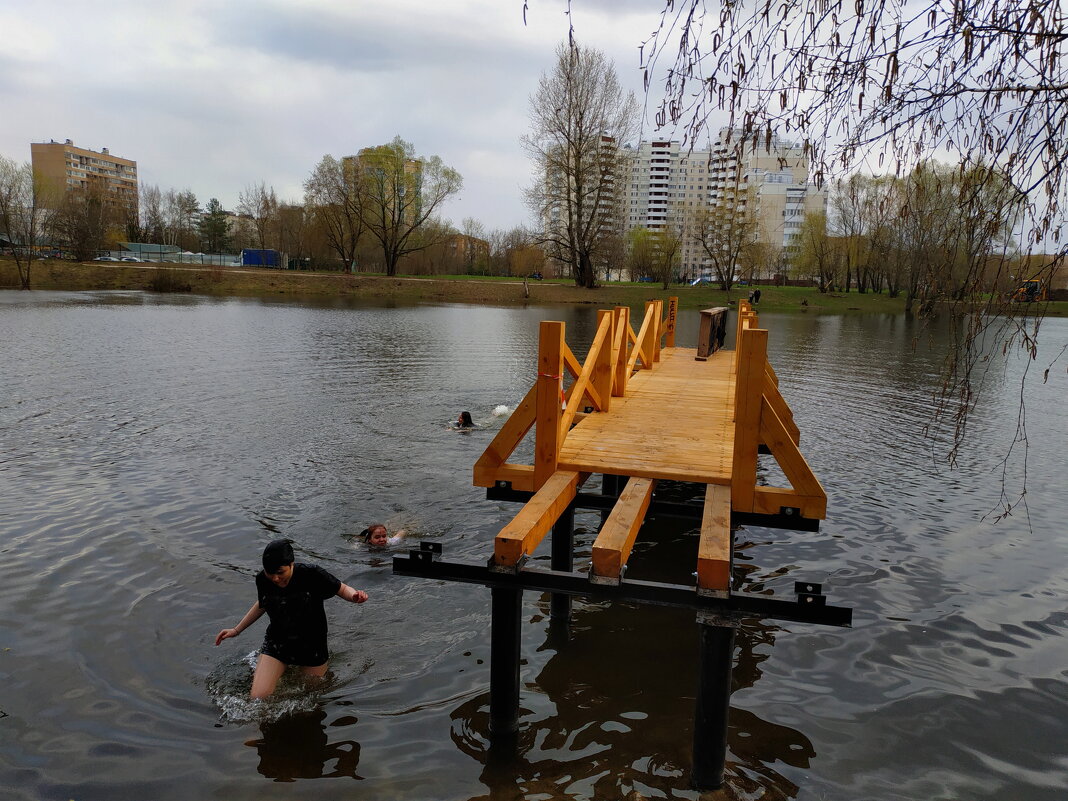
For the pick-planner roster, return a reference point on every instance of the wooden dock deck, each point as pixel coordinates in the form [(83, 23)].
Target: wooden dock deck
[(675, 423), (642, 410)]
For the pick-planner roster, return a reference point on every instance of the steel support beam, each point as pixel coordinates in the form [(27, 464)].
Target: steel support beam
[(712, 706), (562, 560), (810, 606), (505, 637)]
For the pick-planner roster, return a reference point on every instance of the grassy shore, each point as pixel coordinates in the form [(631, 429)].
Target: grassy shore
[(243, 281)]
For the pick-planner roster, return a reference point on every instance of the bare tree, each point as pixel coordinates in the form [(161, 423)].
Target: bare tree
[(580, 117), (725, 234), (20, 214), (401, 193), (260, 204), (334, 197), (82, 221)]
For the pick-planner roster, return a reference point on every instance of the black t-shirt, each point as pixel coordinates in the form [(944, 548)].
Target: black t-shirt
[(297, 631)]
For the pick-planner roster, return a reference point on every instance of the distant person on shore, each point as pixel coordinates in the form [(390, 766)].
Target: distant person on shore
[(465, 421), (292, 595), (377, 536)]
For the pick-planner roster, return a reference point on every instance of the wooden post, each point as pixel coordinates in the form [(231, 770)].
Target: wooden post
[(660, 328), (672, 315), (619, 351), (651, 340), (505, 629), (750, 356), (547, 434), (561, 559), (712, 707), (604, 370)]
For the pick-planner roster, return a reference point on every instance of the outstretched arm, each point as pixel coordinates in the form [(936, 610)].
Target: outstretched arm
[(251, 616), (349, 594)]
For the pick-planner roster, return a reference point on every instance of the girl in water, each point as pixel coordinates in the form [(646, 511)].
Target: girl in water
[(377, 536), (292, 595)]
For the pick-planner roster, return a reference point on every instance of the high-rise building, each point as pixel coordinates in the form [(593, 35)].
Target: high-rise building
[(65, 168), (765, 179)]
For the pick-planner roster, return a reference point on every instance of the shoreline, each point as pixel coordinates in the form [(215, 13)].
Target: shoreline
[(260, 282)]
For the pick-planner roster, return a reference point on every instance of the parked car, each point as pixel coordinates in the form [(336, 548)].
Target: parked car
[(130, 258), (536, 276), (645, 279), (105, 258)]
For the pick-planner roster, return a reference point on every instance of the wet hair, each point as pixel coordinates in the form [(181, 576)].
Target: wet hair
[(465, 420), (366, 533), (277, 555)]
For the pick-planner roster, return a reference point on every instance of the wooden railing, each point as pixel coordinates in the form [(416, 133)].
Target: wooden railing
[(616, 354), (761, 417)]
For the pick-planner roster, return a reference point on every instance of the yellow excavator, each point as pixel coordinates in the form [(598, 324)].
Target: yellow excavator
[(1030, 291)]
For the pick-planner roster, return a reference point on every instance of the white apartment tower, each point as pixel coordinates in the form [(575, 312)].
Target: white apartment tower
[(667, 184)]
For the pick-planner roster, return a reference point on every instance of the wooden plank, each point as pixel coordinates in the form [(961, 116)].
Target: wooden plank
[(640, 343), (657, 332), (613, 545), (714, 550), (619, 351), (549, 384), (775, 434), (528, 528), (603, 371), (751, 356), (520, 476), (770, 500), (582, 386), (672, 318), (511, 434), (774, 398)]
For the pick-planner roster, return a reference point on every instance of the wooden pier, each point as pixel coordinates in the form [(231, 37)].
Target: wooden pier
[(639, 410)]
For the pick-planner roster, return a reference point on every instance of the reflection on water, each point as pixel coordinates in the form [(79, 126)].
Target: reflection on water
[(152, 446), (296, 747)]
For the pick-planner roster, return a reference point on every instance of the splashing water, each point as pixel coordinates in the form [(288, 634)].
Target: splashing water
[(228, 686), (501, 410)]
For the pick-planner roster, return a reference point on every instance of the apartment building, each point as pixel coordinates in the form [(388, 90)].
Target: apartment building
[(668, 184), (64, 167), (768, 179)]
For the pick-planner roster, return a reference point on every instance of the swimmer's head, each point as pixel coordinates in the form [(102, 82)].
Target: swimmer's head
[(278, 561), (277, 555), (465, 420), (376, 534)]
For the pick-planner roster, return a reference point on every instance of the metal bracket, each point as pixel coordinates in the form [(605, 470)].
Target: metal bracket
[(810, 593), (507, 570), (427, 552)]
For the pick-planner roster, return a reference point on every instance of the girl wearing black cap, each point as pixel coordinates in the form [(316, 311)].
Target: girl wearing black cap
[(292, 595)]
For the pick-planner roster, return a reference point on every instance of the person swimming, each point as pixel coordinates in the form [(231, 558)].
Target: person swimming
[(465, 421), (292, 595), (377, 536)]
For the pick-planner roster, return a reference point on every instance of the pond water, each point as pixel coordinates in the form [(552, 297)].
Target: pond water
[(153, 444)]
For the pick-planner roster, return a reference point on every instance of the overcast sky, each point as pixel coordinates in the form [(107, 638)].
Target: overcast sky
[(217, 96)]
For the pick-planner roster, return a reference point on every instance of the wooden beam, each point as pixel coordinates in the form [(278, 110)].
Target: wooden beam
[(612, 547), (619, 351), (751, 355), (520, 476), (511, 434), (778, 438), (528, 528), (672, 316), (775, 400), (582, 386), (771, 500), (603, 371), (714, 551), (550, 389)]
